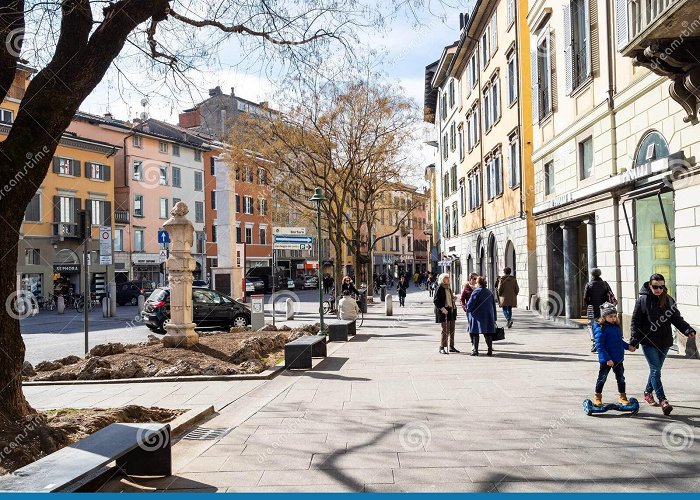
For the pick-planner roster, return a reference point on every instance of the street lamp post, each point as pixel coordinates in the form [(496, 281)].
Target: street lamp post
[(318, 198), (428, 231)]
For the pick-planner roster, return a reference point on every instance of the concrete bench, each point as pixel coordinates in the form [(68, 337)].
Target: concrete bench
[(138, 449), (339, 330), (298, 353)]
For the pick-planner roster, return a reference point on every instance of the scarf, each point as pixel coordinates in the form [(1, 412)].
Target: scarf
[(449, 297)]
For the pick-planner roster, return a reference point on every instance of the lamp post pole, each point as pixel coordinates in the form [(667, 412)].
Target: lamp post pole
[(318, 197)]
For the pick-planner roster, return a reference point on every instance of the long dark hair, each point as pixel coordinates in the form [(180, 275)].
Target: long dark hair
[(663, 298)]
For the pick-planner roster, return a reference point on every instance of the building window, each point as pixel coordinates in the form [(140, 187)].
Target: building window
[(213, 234), (473, 71), (249, 235), (513, 160), (549, 178), (510, 12), (32, 256), (446, 185), (176, 201), (6, 116), (176, 150), (238, 235), (494, 175), (199, 211), (118, 240), (577, 51), (138, 240), (137, 141), (474, 189), (585, 155), (485, 51), (163, 208), (453, 178), (33, 211), (163, 147), (451, 90), (262, 176), (462, 198), (248, 205), (448, 226), (238, 203), (197, 155), (99, 212), (138, 205), (455, 220), (177, 177), (512, 78), (495, 99), (453, 136), (443, 106), (263, 236), (262, 206), (213, 200), (542, 79), (493, 30), (66, 206), (445, 147), (460, 141), (249, 174), (65, 166), (163, 175), (198, 181), (487, 109), (137, 170)]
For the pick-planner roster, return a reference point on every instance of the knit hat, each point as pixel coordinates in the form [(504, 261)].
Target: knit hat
[(607, 308)]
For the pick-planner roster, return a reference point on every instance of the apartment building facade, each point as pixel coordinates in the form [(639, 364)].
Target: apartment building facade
[(616, 182)]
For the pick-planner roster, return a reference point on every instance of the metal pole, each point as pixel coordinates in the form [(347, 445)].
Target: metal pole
[(86, 279), (274, 282), (320, 280)]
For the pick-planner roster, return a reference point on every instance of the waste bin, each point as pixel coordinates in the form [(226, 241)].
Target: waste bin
[(382, 292), (362, 301)]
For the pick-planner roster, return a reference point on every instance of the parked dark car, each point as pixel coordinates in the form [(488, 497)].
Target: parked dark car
[(310, 282), (266, 274), (211, 309), (201, 283), (128, 293), (254, 285)]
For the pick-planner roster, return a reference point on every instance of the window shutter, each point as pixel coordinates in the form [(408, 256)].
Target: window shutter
[(535, 87), (587, 42), (77, 204), (494, 34), (75, 168), (87, 169), (107, 205), (552, 59), (56, 165), (622, 23), (56, 205), (568, 49), (107, 172)]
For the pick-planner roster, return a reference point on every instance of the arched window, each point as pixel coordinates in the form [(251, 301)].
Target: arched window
[(470, 264), (652, 147), (510, 256)]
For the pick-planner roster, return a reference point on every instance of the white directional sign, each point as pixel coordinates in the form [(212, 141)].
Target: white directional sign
[(292, 246), (298, 231), (105, 245), (292, 242)]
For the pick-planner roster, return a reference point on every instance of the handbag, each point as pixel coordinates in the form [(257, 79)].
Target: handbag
[(500, 333), (611, 296)]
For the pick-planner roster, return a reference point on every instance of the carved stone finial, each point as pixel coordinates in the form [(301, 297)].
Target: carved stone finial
[(180, 209)]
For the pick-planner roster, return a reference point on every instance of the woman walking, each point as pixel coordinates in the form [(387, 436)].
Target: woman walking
[(466, 295), (654, 313), (401, 289), (482, 307), (445, 313)]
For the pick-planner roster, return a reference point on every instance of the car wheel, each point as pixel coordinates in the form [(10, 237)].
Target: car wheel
[(239, 321), (153, 328), (134, 301), (163, 324)]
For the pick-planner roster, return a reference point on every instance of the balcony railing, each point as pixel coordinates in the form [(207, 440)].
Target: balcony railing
[(65, 230), (643, 13), (121, 216)]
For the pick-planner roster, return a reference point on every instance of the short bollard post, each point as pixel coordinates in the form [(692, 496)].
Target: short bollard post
[(105, 307), (141, 303), (61, 305), (389, 306), (382, 292), (289, 309)]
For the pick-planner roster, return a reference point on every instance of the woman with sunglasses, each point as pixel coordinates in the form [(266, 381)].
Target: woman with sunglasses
[(654, 313), (349, 285)]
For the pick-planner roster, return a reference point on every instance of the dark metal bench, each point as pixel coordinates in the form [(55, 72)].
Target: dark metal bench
[(298, 353), (339, 330), (139, 450)]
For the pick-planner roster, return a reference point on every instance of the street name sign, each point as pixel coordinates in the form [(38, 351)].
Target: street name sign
[(298, 231)]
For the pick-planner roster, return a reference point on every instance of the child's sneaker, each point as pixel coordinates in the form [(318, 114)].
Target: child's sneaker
[(649, 398), (666, 407), (623, 399), (598, 399)]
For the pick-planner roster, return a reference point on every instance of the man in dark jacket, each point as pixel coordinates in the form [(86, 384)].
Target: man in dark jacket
[(507, 291), (597, 292), (654, 313)]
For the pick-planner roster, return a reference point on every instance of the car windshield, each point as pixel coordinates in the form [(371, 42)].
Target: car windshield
[(148, 285), (158, 295)]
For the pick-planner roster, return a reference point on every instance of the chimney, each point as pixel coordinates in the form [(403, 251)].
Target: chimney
[(108, 116), (463, 20), (233, 91), (264, 105), (215, 91)]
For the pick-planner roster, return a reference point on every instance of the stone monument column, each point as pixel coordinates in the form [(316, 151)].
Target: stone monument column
[(180, 332)]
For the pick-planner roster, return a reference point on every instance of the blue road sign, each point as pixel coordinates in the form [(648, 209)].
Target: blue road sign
[(287, 238), (163, 236)]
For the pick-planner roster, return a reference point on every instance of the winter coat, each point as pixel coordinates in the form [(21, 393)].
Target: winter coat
[(507, 291), (482, 307), (439, 301), (596, 294), (464, 298), (652, 326), (609, 342), (401, 288), (350, 287)]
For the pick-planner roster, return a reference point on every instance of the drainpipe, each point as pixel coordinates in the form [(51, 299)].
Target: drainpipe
[(481, 140), (521, 141)]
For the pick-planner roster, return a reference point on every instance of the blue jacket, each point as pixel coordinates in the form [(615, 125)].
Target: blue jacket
[(609, 342), (482, 306)]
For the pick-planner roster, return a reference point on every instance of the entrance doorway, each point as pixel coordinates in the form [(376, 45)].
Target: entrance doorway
[(493, 262)]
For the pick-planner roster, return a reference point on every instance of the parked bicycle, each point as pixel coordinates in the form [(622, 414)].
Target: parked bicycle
[(80, 302), (48, 303)]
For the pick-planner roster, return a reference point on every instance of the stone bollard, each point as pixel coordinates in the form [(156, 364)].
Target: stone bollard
[(389, 306), (112, 290), (289, 309), (105, 307), (180, 331), (61, 304), (141, 303)]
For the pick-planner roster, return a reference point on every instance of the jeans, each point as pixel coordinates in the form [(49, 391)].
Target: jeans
[(655, 359), (507, 312), (618, 370), (448, 334)]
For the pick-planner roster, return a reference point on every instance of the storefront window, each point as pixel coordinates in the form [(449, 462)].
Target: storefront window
[(655, 251)]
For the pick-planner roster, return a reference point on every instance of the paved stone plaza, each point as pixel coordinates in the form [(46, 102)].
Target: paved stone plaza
[(387, 412)]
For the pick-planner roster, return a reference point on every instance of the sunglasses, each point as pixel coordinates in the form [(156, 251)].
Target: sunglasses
[(658, 287)]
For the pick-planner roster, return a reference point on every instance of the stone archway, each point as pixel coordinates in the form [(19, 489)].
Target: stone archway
[(492, 269), (510, 257)]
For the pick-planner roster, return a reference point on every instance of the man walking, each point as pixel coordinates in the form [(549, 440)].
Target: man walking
[(507, 292)]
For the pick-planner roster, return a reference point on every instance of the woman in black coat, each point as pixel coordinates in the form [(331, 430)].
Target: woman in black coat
[(401, 289), (654, 313), (445, 313)]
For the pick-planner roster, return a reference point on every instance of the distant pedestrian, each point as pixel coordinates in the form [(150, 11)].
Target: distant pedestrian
[(654, 313), (467, 290), (401, 290), (347, 307), (482, 307), (445, 313), (432, 283), (611, 349), (507, 291), (596, 293), (326, 283)]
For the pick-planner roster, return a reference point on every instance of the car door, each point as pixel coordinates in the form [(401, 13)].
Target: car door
[(223, 310), (203, 305)]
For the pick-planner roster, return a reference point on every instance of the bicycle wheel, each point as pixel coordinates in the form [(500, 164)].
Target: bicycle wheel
[(80, 305), (360, 318)]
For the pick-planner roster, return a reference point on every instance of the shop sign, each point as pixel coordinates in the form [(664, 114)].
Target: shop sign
[(66, 268), (146, 259)]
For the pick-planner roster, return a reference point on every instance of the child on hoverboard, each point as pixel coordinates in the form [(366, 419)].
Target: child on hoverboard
[(611, 352)]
